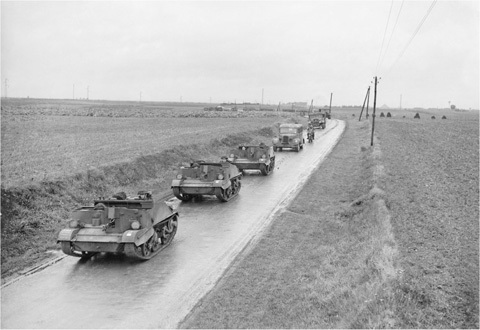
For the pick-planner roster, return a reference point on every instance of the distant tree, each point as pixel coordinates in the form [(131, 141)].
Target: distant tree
[(433, 117), (417, 115), (389, 114), (382, 115), (444, 117), (453, 107)]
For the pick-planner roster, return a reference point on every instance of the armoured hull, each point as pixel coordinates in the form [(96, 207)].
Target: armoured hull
[(203, 178), (138, 227), (259, 157)]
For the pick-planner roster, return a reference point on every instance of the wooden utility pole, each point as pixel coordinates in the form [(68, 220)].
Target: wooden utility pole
[(364, 101), (374, 107), (330, 108), (368, 101)]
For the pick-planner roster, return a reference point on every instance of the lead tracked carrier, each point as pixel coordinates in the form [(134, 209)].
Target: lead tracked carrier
[(221, 179), (250, 157), (138, 227)]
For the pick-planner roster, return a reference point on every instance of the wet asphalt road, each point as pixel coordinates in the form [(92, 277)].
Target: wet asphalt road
[(110, 291)]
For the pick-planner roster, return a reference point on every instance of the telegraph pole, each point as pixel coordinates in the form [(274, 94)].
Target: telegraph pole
[(330, 108), (368, 101), (74, 91), (364, 101), (374, 107), (262, 96)]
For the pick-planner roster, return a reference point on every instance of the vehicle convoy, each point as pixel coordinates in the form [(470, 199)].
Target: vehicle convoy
[(221, 179), (139, 227), (318, 119), (289, 136), (251, 157)]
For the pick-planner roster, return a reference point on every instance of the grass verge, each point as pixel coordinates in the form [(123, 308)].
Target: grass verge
[(323, 261)]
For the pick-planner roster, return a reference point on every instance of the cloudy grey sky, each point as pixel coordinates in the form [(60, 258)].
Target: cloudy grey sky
[(227, 51)]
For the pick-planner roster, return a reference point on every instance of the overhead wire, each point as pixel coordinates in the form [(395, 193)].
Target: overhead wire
[(384, 34), (393, 31), (413, 35)]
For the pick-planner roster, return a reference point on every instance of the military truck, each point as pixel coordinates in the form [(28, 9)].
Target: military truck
[(221, 179), (318, 119), (139, 227), (289, 136), (252, 157)]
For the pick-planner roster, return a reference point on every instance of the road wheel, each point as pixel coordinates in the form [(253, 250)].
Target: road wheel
[(145, 251), (167, 232), (236, 185)]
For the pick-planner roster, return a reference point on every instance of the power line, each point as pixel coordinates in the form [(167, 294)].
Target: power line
[(384, 34), (414, 34), (391, 35)]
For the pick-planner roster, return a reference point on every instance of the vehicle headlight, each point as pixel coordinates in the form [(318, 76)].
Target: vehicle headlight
[(296, 140), (264, 156), (179, 176), (232, 156), (73, 223), (135, 225), (275, 140), (220, 176)]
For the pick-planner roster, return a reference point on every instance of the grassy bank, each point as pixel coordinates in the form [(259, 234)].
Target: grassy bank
[(382, 237), (324, 259), (33, 214)]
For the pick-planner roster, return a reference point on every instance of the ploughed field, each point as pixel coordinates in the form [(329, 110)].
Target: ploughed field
[(46, 141), (432, 186)]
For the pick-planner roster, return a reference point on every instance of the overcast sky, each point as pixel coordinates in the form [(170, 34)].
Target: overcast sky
[(227, 51)]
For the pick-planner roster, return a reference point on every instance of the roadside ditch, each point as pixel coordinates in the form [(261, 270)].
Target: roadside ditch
[(33, 215)]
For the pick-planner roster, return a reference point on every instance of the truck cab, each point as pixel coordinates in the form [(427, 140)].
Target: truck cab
[(289, 136)]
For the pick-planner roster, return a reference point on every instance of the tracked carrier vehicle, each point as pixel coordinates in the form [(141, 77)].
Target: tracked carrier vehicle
[(221, 179), (138, 227), (249, 157)]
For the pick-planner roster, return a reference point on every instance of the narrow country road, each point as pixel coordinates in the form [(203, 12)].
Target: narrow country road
[(110, 291)]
